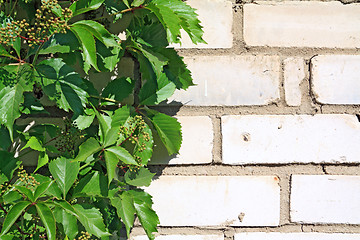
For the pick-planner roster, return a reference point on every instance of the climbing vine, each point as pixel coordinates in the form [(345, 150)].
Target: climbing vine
[(91, 169)]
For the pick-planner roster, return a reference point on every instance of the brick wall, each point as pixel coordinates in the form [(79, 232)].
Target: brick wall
[(271, 134)]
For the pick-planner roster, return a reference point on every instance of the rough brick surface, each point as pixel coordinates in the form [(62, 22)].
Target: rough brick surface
[(295, 236), (288, 139), (232, 80), (216, 17), (325, 199), (216, 200), (335, 79), (182, 237), (294, 74), (302, 24), (196, 147)]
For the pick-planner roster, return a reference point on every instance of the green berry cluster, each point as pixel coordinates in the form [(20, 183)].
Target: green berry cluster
[(9, 32), (46, 23), (8, 78), (69, 138), (134, 132), (84, 236), (29, 181)]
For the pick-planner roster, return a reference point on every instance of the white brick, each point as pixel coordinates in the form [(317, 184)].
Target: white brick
[(216, 200), (288, 139), (295, 236), (232, 80), (196, 146), (294, 74), (216, 17), (325, 199), (182, 237), (336, 79), (302, 24)]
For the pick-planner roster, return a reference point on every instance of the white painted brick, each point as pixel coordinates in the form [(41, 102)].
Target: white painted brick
[(196, 146), (216, 200), (302, 24), (232, 80), (288, 139), (294, 74), (216, 17), (182, 237), (325, 199), (296, 236), (336, 79)]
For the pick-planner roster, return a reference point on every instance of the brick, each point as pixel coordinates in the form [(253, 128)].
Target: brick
[(325, 199), (335, 79), (231, 80), (182, 237), (322, 138), (296, 236), (216, 200), (216, 17), (302, 24), (294, 74), (196, 146)]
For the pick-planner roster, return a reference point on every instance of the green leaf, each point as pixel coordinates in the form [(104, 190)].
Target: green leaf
[(7, 237), (53, 190), (5, 140), (41, 189), (122, 154), (13, 214), (4, 53), (169, 130), (32, 105), (108, 57), (141, 177), (48, 219), (11, 197), (11, 96), (88, 148), (104, 124), (27, 192), (99, 31), (111, 161), (137, 3), (84, 121), (119, 89), (120, 116), (92, 220), (164, 90), (42, 160), (68, 221), (144, 146), (185, 15), (168, 18), (87, 43), (147, 216), (64, 172), (93, 184), (83, 6), (176, 70), (60, 43), (34, 144), (8, 164), (125, 209), (62, 84)]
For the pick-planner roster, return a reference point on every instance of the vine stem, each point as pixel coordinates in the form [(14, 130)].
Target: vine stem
[(106, 99), (121, 12)]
